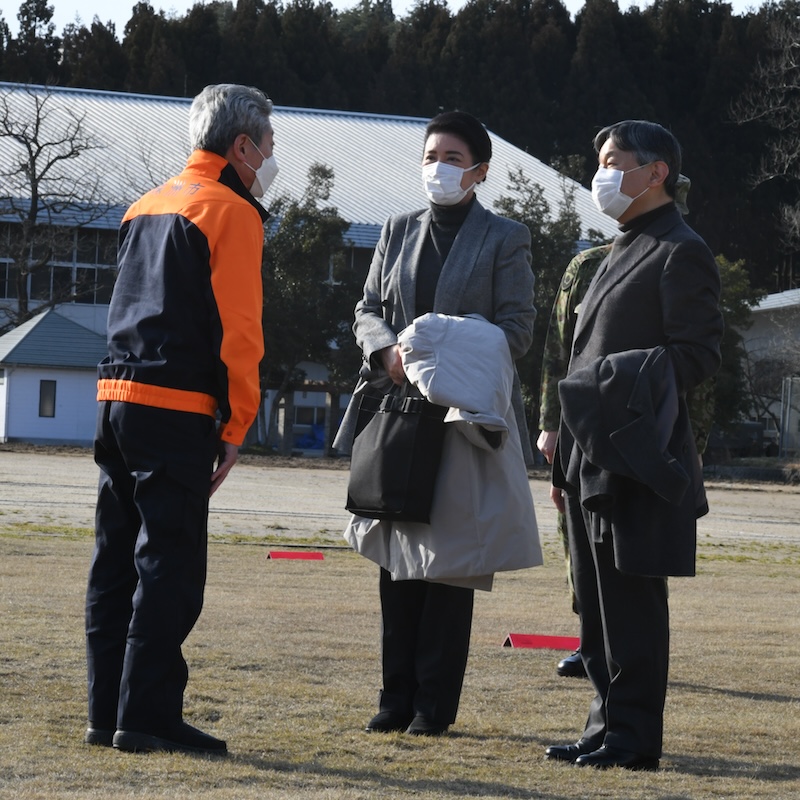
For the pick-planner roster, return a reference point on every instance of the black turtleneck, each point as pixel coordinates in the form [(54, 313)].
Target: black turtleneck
[(446, 222), (632, 228)]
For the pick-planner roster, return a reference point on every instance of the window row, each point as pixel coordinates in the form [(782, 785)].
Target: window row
[(63, 245), (85, 285)]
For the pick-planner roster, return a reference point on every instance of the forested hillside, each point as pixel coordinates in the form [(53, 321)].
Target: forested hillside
[(535, 76)]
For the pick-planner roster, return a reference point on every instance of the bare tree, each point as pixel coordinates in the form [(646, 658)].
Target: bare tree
[(553, 237), (772, 100), (763, 378), (46, 192)]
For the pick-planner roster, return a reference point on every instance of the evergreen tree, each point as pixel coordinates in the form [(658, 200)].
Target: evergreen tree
[(733, 399), (92, 57), (723, 206), (5, 39), (552, 43), (201, 44), (33, 57), (252, 51), (553, 238), (487, 60), (600, 89), (152, 48), (364, 45), (414, 80), (310, 46), (309, 293)]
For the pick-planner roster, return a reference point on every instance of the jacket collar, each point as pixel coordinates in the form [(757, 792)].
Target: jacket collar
[(219, 169)]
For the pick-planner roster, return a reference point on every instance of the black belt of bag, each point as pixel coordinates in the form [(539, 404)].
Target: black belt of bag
[(397, 450)]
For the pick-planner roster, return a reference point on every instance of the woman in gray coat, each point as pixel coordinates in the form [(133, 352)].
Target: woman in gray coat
[(456, 258)]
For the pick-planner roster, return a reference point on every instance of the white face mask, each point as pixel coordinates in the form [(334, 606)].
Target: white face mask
[(607, 191), (442, 182), (265, 174)]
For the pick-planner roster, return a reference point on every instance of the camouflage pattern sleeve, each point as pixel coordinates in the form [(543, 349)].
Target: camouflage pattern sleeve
[(700, 402), (558, 344)]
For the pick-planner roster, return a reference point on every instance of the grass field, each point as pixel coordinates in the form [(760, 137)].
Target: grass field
[(284, 664)]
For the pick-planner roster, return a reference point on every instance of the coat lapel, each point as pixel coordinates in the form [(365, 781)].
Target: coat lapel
[(414, 240), (612, 275), (616, 271), (461, 260)]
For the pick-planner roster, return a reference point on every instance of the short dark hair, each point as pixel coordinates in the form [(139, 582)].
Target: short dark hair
[(649, 142), (467, 128)]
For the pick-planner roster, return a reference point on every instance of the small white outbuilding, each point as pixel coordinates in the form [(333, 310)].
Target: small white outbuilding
[(48, 380)]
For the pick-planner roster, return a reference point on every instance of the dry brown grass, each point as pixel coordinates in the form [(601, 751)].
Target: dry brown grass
[(284, 664)]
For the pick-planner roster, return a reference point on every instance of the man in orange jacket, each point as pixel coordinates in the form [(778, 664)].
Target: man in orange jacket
[(178, 391)]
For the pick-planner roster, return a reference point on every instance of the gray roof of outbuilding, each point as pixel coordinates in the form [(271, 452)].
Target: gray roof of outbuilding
[(141, 140), (51, 340)]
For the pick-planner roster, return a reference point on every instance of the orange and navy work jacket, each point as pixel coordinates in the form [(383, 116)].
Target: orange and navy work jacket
[(184, 324)]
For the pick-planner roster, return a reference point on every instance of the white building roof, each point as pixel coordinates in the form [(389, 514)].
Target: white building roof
[(772, 302), (141, 140)]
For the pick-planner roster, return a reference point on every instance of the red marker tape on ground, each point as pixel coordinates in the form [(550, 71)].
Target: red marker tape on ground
[(303, 555), (541, 641)]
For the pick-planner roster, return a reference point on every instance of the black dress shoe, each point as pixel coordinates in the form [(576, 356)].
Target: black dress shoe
[(571, 666), (569, 752), (608, 756), (100, 736), (422, 726), (181, 739), (388, 722)]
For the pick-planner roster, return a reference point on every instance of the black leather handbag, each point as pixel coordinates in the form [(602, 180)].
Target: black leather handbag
[(396, 453)]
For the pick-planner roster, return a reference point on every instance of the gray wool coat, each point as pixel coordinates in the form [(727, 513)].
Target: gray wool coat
[(487, 272)]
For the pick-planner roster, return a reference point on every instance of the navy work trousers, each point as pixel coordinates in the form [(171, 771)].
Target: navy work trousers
[(148, 570)]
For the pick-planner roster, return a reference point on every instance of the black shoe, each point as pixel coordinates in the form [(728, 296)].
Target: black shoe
[(608, 756), (571, 666), (388, 722), (421, 726), (99, 736), (181, 739), (569, 752)]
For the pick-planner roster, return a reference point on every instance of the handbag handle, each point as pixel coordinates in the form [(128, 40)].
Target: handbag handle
[(405, 405)]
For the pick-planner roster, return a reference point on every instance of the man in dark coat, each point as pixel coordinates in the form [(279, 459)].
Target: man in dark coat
[(654, 300)]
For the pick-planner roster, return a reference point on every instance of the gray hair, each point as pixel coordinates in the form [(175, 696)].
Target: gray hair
[(224, 110), (649, 142)]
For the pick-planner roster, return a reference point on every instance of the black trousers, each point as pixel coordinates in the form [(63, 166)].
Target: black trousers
[(425, 644), (624, 642), (148, 569)]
